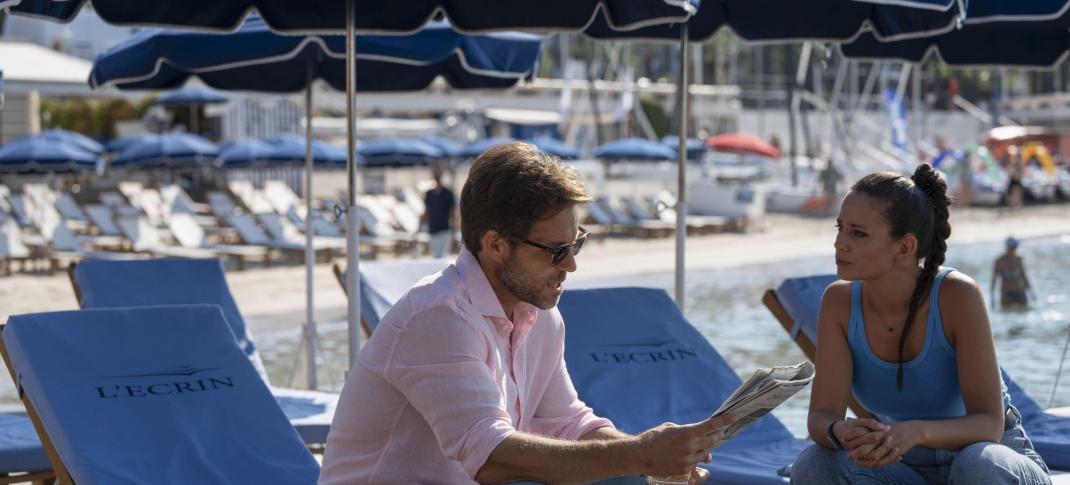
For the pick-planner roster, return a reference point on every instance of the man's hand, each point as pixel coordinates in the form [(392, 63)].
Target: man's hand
[(675, 450)]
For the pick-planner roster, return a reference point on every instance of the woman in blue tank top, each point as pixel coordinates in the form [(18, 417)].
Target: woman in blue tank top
[(911, 340)]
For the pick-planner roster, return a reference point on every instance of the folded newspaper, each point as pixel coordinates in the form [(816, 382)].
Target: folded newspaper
[(763, 391)]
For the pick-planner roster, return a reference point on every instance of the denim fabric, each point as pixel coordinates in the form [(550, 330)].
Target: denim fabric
[(1011, 461)]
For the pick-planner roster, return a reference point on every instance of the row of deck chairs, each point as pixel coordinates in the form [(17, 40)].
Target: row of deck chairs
[(647, 216), (233, 426), (242, 224)]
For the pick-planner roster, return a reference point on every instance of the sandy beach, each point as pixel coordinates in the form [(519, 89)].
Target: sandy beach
[(273, 299)]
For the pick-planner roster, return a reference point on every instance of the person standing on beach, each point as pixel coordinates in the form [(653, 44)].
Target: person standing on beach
[(439, 214), (911, 340), (464, 379), (830, 179), (1009, 270)]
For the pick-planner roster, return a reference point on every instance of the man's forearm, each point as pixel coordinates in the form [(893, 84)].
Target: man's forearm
[(605, 433), (524, 456)]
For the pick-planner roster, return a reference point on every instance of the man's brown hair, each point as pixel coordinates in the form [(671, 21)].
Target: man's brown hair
[(510, 187)]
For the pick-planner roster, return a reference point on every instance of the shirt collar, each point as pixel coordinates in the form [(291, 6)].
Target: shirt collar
[(483, 297), (479, 290)]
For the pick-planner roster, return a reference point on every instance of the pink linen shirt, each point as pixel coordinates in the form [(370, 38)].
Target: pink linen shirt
[(444, 379)]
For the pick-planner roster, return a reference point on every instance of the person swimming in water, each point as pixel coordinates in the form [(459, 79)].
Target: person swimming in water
[(1009, 270)]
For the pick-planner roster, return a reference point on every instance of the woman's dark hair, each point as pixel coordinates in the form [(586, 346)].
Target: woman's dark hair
[(913, 205)]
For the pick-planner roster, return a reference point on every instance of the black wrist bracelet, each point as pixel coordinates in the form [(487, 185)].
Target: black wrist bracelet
[(832, 437)]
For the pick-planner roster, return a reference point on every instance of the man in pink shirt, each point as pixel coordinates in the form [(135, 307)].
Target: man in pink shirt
[(464, 379)]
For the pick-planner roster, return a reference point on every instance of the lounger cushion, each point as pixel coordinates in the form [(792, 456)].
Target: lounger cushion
[(111, 284), (636, 360), (20, 448), (153, 395), (384, 283)]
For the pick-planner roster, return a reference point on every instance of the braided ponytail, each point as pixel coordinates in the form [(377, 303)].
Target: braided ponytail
[(916, 205)]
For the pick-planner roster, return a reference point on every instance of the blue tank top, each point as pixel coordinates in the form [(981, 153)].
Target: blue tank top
[(931, 389)]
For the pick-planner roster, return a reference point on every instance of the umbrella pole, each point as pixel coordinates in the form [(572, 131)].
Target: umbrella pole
[(352, 214), (310, 252), (193, 119), (681, 168)]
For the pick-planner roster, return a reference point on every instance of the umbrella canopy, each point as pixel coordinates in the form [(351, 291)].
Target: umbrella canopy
[(245, 153), (995, 32), (742, 143), (475, 149), (170, 150), (69, 138), (291, 148), (788, 20), (398, 152), (634, 149), (254, 58), (448, 148), (695, 148), (374, 15), (556, 148), (40, 155), (191, 95), (119, 144)]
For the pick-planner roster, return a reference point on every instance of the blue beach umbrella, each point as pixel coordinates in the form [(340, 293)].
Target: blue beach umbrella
[(38, 155), (170, 150), (291, 148), (69, 138), (119, 144), (1, 89), (995, 32), (695, 148), (398, 152), (475, 149), (245, 153), (254, 58), (556, 148), (793, 20), (634, 149), (449, 148), (374, 15), (191, 95)]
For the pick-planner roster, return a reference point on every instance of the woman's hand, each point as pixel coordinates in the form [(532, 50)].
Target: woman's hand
[(896, 440)]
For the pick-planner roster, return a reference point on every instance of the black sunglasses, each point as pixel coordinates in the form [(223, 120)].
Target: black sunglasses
[(561, 252)]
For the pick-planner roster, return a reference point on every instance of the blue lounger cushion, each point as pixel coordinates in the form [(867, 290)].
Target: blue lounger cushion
[(171, 281), (153, 395), (384, 283), (636, 360), (20, 449), (801, 298)]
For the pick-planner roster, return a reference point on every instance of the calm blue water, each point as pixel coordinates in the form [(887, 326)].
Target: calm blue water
[(725, 305)]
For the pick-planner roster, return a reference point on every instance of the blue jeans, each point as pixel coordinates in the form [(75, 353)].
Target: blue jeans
[(440, 242), (1011, 461)]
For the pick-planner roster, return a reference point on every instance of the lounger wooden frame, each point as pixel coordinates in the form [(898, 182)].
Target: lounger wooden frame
[(809, 348), (59, 470)]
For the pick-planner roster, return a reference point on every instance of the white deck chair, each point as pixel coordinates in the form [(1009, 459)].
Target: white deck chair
[(283, 231), (69, 208), (250, 197), (281, 196), (101, 217), (146, 237), (189, 234), (11, 246)]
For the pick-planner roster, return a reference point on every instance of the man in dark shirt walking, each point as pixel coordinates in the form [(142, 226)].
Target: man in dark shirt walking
[(440, 215)]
